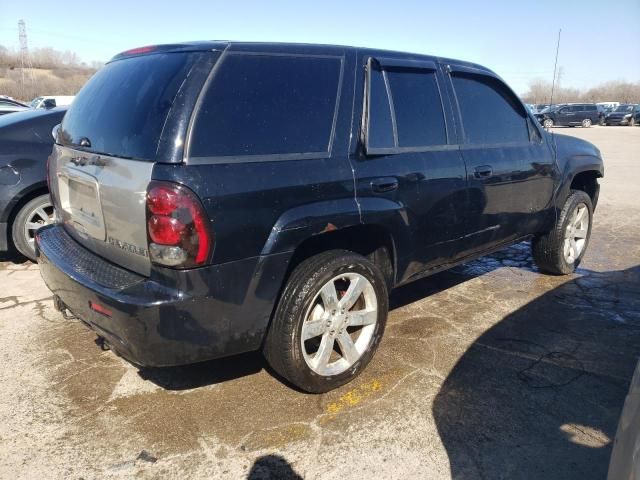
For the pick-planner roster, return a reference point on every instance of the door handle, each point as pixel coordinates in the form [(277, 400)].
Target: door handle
[(383, 185), (483, 171)]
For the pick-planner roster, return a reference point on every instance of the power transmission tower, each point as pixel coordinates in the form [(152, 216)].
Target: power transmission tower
[(25, 60)]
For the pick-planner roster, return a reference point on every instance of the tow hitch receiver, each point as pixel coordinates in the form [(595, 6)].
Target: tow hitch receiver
[(62, 308)]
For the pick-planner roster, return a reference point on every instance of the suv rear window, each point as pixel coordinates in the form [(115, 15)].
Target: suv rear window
[(274, 105), (123, 108)]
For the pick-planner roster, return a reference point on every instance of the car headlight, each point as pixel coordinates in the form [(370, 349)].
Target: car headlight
[(628, 115)]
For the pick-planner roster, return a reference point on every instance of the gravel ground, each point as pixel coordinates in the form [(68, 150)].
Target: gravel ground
[(490, 370)]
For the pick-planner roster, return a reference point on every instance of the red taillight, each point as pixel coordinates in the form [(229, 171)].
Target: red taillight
[(165, 230), (177, 226), (162, 200)]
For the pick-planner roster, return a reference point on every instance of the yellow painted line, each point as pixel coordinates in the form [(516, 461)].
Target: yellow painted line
[(354, 396)]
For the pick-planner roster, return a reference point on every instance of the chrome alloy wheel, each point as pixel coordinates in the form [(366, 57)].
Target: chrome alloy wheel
[(339, 324), (40, 216), (575, 237)]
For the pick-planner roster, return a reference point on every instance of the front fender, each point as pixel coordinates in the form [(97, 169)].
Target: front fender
[(574, 157)]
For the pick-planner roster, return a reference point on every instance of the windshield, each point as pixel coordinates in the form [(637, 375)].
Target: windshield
[(624, 108), (35, 102)]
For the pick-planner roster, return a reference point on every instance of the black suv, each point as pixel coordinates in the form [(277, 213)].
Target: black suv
[(217, 198), (570, 114), (627, 114)]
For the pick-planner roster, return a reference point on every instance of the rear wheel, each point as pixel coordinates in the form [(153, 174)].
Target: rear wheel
[(329, 321), (548, 123), (35, 214), (586, 123), (560, 251)]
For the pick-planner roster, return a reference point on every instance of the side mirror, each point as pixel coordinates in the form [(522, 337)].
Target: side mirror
[(49, 103)]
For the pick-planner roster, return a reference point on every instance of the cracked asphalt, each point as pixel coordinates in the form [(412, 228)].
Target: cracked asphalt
[(491, 370)]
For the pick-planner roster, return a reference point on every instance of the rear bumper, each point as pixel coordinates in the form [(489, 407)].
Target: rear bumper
[(173, 317)]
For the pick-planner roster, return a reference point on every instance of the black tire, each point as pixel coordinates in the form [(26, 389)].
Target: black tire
[(283, 346), (548, 248), (17, 228), (547, 123), (586, 123)]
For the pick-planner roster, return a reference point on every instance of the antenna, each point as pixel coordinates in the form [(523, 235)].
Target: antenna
[(555, 68), (25, 60)]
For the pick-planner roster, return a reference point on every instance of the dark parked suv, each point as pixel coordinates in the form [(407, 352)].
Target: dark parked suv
[(217, 198), (571, 114), (627, 114)]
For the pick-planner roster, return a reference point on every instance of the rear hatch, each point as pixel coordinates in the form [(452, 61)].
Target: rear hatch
[(131, 114)]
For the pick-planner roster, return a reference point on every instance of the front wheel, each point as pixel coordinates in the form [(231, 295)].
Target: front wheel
[(35, 214), (548, 123), (560, 251), (632, 122), (586, 123), (328, 322)]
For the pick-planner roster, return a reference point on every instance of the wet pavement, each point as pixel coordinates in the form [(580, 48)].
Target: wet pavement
[(490, 370)]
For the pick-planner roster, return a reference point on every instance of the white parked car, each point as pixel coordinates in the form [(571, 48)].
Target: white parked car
[(51, 101)]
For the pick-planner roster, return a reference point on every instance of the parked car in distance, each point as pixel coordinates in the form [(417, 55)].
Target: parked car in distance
[(268, 196), (539, 107), (51, 101), (626, 114), (25, 144), (569, 114), (609, 106), (9, 105)]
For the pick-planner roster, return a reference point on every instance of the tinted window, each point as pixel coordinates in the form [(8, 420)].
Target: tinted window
[(380, 125), (591, 108), (267, 104), (417, 107), (123, 108), (490, 112), (576, 108)]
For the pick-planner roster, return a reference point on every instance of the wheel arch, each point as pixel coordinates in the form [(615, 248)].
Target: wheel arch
[(21, 199)]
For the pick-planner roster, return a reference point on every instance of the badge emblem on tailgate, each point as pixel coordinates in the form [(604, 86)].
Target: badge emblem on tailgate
[(128, 247)]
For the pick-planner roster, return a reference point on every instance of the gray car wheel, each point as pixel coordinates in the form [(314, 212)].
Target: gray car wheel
[(35, 214)]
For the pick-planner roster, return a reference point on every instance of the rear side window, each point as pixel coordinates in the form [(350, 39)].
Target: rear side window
[(405, 110), (380, 132), (491, 114), (417, 107), (260, 104), (123, 108)]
